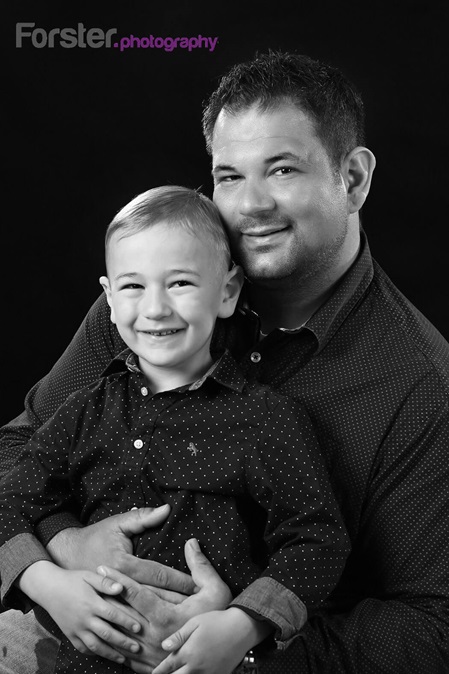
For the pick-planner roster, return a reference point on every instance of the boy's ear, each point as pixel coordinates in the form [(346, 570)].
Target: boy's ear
[(232, 286), (104, 282)]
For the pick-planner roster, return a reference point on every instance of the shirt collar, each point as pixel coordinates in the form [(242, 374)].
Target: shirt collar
[(224, 371), (325, 322)]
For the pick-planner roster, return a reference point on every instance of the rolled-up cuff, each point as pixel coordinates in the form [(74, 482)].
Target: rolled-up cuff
[(53, 524), (266, 599), (15, 556)]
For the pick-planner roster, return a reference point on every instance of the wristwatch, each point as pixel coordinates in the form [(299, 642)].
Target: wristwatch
[(248, 665)]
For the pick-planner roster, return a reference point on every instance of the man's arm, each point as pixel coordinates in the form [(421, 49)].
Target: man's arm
[(304, 533), (400, 624), (88, 354)]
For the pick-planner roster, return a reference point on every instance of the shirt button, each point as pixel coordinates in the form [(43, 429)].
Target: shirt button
[(144, 391), (138, 444), (255, 357)]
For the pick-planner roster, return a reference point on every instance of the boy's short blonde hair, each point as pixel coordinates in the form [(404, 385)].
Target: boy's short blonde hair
[(172, 205)]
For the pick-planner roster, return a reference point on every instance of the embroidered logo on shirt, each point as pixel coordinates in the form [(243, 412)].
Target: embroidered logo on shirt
[(194, 450)]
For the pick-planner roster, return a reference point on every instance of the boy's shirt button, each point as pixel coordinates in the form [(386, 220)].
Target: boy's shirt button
[(255, 357), (138, 444), (144, 391)]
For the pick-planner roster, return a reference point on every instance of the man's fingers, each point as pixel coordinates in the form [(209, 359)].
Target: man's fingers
[(168, 595), (137, 520), (203, 573), (157, 575), (138, 596)]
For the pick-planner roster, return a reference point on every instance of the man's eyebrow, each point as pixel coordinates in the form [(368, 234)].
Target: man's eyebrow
[(280, 156), (222, 167)]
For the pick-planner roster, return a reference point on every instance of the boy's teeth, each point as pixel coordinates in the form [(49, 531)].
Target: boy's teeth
[(164, 332)]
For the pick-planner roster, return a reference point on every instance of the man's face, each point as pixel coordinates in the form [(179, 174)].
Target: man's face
[(284, 206)]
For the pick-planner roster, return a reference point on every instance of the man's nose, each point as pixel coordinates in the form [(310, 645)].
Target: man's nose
[(255, 198), (155, 304)]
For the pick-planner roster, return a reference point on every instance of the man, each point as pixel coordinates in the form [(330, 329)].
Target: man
[(323, 324)]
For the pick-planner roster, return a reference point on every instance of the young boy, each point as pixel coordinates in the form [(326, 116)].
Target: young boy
[(173, 423)]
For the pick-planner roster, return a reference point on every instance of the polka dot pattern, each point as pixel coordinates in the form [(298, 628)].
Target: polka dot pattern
[(373, 375), (238, 464)]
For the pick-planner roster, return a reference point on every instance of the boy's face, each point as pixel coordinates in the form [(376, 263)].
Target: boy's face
[(166, 288)]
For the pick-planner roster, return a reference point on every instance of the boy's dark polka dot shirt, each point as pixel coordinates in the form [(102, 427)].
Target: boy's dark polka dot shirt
[(239, 466), (373, 375)]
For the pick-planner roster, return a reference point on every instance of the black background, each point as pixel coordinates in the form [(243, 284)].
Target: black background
[(87, 129)]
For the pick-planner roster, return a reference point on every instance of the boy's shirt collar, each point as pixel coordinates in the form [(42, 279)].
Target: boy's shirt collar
[(224, 371)]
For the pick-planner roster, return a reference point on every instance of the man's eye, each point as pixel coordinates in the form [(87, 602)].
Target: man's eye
[(232, 177), (284, 170)]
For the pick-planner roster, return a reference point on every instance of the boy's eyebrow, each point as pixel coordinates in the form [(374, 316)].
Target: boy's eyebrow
[(133, 274), (130, 274), (184, 271), (280, 156)]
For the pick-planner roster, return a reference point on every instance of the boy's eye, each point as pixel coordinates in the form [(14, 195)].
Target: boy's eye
[(131, 286), (180, 284)]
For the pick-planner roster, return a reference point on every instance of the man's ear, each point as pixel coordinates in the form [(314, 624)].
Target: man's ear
[(357, 172), (232, 286), (104, 282)]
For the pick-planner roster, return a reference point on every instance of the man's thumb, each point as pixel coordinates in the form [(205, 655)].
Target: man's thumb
[(201, 569), (138, 519)]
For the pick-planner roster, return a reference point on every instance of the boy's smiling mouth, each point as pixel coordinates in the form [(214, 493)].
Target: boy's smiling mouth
[(160, 333)]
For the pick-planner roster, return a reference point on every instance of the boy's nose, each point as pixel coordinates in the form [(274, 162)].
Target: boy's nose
[(155, 305)]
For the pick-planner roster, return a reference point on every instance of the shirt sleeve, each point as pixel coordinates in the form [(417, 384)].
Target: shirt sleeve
[(36, 487), (84, 360), (94, 345), (305, 537), (400, 622)]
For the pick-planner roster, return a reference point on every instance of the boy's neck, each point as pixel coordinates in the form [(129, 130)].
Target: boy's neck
[(166, 379)]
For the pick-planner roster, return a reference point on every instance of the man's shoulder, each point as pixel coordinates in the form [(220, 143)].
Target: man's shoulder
[(100, 391), (407, 333)]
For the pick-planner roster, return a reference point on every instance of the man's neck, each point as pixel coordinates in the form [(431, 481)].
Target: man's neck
[(290, 304)]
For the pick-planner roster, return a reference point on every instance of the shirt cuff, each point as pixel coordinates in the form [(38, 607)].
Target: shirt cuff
[(52, 525), (15, 556), (266, 599)]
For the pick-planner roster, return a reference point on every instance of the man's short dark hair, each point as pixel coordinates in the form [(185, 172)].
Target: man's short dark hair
[(321, 91)]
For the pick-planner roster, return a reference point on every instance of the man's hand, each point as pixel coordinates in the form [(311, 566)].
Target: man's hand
[(161, 617), (109, 542)]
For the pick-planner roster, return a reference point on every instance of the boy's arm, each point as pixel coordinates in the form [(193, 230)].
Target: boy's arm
[(37, 487), (214, 642), (305, 537)]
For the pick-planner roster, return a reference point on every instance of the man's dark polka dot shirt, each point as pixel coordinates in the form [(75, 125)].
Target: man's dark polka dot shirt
[(373, 375)]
